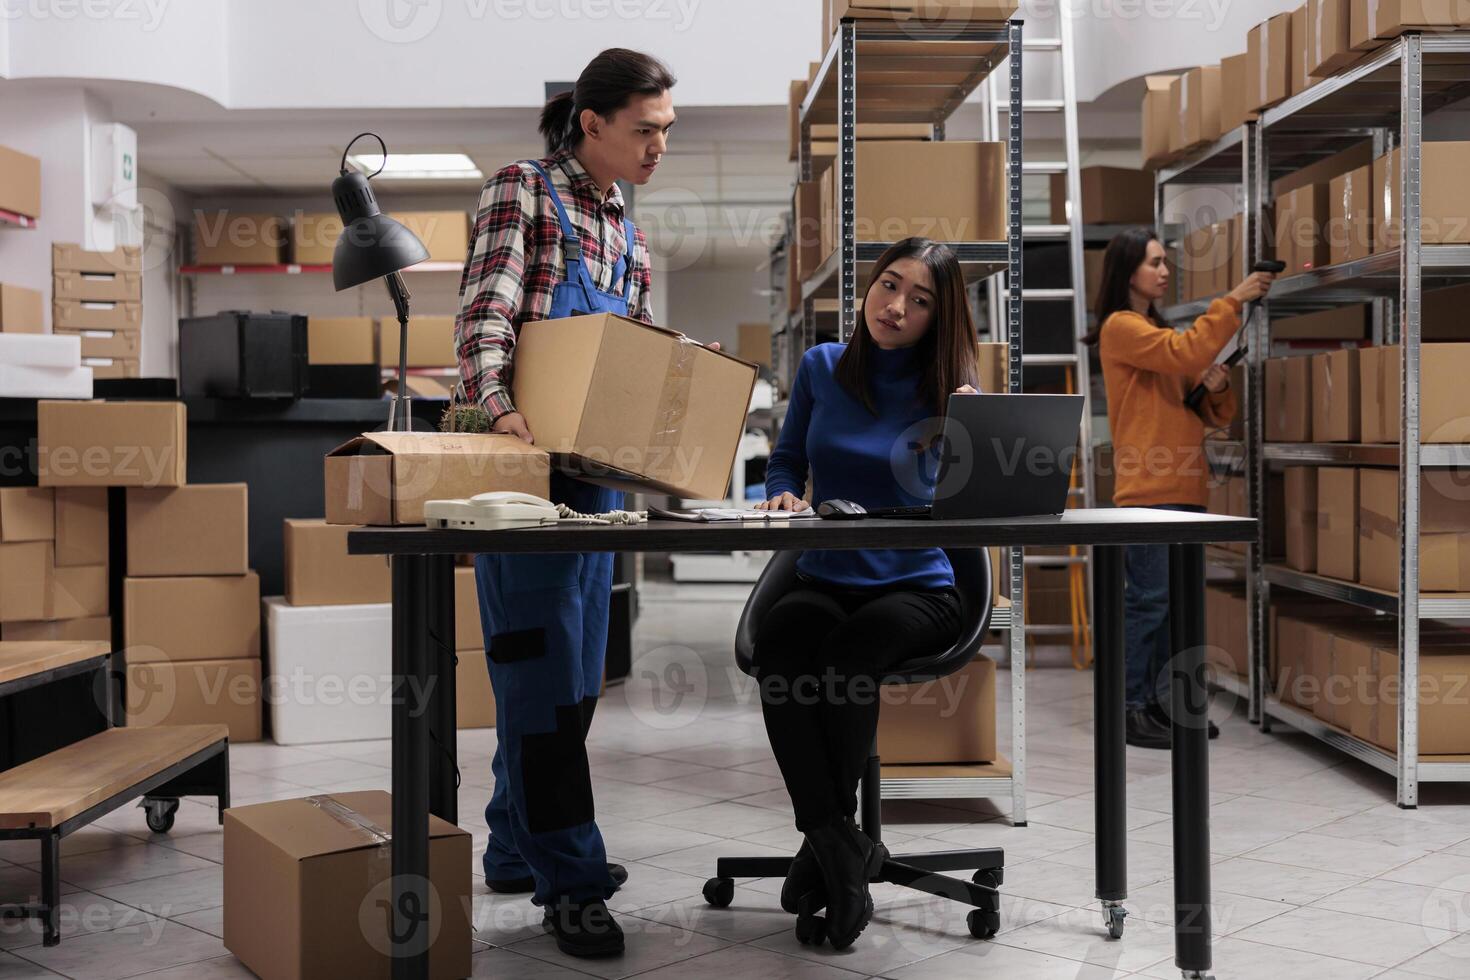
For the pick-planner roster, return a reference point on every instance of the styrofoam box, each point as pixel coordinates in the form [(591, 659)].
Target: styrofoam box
[(328, 672), (47, 350), (20, 381)]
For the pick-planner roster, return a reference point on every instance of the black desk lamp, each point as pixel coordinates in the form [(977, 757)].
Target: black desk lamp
[(374, 246)]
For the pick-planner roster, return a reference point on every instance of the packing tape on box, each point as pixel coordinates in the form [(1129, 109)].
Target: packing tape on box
[(673, 408), (1375, 523), (350, 818)]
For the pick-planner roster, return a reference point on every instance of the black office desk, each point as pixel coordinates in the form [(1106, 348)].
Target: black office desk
[(423, 645)]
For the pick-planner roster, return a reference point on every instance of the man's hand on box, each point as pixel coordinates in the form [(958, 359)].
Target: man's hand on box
[(513, 423)]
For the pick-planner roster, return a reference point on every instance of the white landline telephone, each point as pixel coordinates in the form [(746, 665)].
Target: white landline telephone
[(504, 509)]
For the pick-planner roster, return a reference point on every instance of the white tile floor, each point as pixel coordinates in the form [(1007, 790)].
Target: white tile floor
[(1317, 873)]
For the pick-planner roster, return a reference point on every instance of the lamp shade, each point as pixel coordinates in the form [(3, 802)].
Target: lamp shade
[(372, 245)]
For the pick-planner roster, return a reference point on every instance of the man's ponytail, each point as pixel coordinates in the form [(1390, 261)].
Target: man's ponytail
[(556, 121)]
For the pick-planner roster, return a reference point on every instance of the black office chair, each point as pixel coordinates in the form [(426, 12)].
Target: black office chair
[(917, 871)]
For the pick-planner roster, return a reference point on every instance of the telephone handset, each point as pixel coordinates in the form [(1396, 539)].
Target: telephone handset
[(491, 511)]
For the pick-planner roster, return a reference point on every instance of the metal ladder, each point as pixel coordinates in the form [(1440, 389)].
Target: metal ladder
[(1075, 364)]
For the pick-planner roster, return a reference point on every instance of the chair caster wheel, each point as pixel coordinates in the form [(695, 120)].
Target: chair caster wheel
[(811, 930), (1113, 916), (990, 877), (719, 892), (159, 813), (983, 924)]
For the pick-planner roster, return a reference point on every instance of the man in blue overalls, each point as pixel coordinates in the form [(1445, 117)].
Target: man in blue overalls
[(551, 240)]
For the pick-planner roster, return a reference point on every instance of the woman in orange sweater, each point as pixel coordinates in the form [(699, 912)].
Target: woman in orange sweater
[(1158, 441)]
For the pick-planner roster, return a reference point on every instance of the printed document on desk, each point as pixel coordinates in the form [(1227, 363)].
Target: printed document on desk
[(712, 515)]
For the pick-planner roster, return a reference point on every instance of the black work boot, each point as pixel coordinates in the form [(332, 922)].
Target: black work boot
[(518, 886), (1142, 729), (804, 877), (584, 929), (1160, 715), (846, 856)]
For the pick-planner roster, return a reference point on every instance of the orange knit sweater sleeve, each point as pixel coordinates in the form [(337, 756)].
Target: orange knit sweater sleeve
[(1135, 341), (1219, 408)]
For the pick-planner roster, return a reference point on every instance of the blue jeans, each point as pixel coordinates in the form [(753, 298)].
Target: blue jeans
[(1146, 639)]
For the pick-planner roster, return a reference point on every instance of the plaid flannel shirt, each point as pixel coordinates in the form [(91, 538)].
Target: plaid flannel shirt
[(515, 262)]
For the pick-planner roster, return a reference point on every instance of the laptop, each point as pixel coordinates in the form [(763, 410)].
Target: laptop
[(1003, 456)]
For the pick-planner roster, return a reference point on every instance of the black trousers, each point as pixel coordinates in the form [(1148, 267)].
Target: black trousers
[(820, 657)]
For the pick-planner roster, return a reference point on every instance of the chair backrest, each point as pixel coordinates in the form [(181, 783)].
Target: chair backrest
[(972, 579)]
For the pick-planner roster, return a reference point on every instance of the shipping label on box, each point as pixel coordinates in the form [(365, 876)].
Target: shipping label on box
[(98, 443)]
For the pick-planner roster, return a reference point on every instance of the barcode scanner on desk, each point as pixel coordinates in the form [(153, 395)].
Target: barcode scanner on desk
[(1197, 394)]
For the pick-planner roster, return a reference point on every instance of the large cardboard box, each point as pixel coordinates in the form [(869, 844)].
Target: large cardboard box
[(199, 529), (345, 340), (314, 237), (824, 136), (320, 572), (27, 514), (1299, 53), (235, 238), (1444, 532), (78, 592), (385, 477), (1376, 21), (25, 580), (1337, 522), (1322, 172), (22, 310), (1110, 195), (1337, 323), (632, 405), (1351, 213), (1233, 109), (967, 205), (1329, 37), (754, 343), (119, 444), (1289, 661), (446, 234), (1302, 217), (430, 342), (1288, 399), (1268, 62), (949, 720), (81, 526), (69, 257), (1301, 517), (329, 672), (1444, 198), (74, 314), (1194, 108), (195, 692), (97, 287), (206, 617), (93, 628), (1444, 401), (1336, 412), (950, 11), (474, 697), (20, 183), (1444, 680), (1157, 103), (308, 883)]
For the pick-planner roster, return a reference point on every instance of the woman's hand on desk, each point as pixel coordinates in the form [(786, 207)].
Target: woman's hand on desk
[(786, 501), (1216, 378)]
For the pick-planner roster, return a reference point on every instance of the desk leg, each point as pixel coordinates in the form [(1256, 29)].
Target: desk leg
[(1189, 702), (443, 735), (1109, 694), (409, 922)]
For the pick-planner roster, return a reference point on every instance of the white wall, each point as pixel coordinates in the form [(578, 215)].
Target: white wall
[(708, 304)]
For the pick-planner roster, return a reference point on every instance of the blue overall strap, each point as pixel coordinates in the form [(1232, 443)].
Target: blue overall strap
[(626, 260), (570, 243)]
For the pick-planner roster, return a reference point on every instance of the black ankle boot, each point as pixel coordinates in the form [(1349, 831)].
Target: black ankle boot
[(846, 857), (804, 877)]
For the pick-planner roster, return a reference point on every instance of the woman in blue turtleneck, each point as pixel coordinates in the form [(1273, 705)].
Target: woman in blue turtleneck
[(862, 421)]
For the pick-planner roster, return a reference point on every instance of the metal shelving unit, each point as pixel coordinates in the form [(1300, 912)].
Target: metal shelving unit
[(919, 73)]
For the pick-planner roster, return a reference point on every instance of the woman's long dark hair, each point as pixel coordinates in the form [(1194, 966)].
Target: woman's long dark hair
[(947, 350), (1125, 254), (606, 85)]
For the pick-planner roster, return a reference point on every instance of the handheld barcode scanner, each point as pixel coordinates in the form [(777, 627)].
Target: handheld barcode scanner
[(1197, 393)]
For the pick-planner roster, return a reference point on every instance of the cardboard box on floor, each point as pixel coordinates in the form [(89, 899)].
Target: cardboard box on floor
[(22, 310), (199, 529), (1268, 62), (1110, 195), (474, 698), (430, 342), (1194, 109), (1376, 21), (196, 692), (237, 238), (1234, 113), (25, 580), (1336, 409), (1301, 517), (1157, 103), (27, 514), (304, 879), (1329, 37), (81, 526), (1351, 213), (120, 444), (1444, 402), (383, 478), (1288, 399), (1444, 677), (74, 314), (949, 720), (320, 572), (345, 340), (1444, 198), (633, 406), (96, 628), (446, 234), (1337, 522), (20, 183), (205, 617), (1444, 532)]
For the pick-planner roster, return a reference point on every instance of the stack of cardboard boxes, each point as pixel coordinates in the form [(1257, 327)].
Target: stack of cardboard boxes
[(53, 564), (98, 296)]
